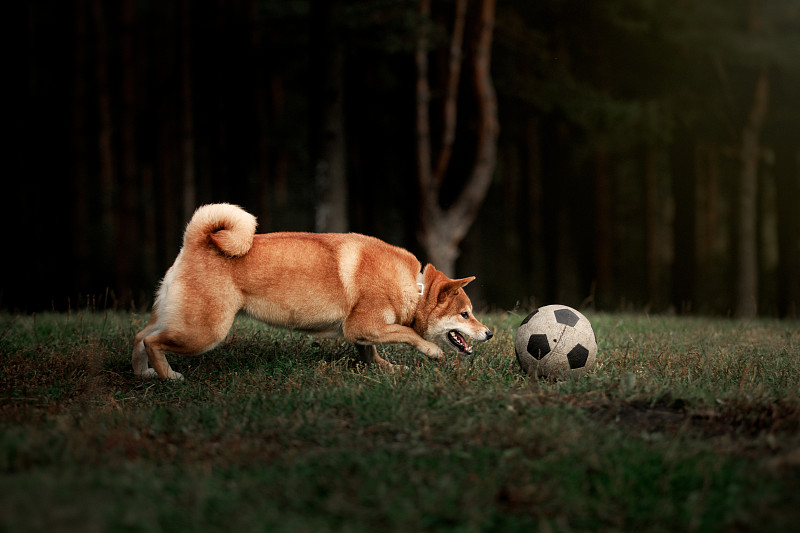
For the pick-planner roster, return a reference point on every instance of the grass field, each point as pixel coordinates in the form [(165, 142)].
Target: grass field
[(686, 424)]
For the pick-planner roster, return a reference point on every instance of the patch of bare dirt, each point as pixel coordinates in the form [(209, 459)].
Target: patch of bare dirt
[(672, 416)]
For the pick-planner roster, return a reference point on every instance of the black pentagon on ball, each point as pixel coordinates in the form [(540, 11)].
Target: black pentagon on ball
[(577, 357), (566, 316), (527, 318), (538, 346)]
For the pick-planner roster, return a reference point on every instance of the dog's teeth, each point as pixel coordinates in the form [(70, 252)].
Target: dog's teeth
[(459, 341)]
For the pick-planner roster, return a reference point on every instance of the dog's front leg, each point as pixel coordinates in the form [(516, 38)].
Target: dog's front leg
[(409, 336), (360, 333)]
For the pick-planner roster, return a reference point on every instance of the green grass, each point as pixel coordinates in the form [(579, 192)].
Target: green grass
[(684, 425)]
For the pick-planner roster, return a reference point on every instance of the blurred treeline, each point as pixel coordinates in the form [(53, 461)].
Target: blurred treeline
[(648, 155)]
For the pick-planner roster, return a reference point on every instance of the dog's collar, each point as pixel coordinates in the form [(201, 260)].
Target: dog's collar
[(421, 283)]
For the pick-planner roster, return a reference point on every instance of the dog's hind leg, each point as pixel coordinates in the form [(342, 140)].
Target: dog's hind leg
[(139, 356), (166, 341), (189, 340), (155, 346)]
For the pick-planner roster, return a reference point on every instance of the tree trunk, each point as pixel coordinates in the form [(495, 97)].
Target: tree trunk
[(530, 209), (651, 224), (747, 253), (170, 215), (280, 168), (328, 132), (262, 118), (127, 238), (330, 170), (603, 242), (104, 138), (711, 199), (80, 218), (188, 186), (442, 230), (787, 175), (683, 168), (149, 231), (450, 104)]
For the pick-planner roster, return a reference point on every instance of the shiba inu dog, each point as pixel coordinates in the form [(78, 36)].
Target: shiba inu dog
[(344, 285)]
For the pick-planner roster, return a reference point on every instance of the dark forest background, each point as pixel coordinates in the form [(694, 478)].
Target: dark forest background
[(648, 154)]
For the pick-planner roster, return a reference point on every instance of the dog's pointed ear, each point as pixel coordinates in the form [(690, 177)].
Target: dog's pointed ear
[(451, 286)]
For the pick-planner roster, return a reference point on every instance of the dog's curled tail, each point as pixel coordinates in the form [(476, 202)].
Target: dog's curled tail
[(228, 227)]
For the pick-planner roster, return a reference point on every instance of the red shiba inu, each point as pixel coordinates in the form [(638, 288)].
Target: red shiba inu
[(344, 285)]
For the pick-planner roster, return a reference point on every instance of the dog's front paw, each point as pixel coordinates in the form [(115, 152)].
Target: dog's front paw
[(177, 376), (434, 352), (148, 373)]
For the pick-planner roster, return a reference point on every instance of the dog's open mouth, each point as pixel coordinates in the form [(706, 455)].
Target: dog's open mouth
[(459, 341)]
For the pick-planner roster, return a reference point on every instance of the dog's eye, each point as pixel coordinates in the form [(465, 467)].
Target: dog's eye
[(464, 315)]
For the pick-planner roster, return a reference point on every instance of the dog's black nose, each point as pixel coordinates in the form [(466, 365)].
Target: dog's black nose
[(489, 334)]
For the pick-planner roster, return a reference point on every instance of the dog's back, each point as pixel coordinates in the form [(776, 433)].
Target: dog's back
[(312, 281), (304, 281)]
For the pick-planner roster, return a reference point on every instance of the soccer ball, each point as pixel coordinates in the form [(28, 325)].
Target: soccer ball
[(555, 341)]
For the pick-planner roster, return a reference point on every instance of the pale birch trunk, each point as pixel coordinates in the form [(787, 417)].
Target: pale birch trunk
[(442, 230)]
